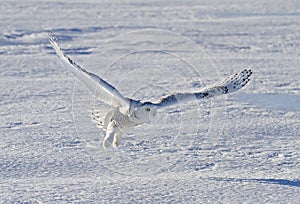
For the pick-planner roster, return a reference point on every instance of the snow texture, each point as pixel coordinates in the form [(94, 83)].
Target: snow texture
[(242, 148)]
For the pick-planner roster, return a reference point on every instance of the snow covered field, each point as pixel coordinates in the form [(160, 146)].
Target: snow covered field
[(242, 148)]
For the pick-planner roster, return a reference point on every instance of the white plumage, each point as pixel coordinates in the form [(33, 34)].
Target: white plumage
[(127, 113)]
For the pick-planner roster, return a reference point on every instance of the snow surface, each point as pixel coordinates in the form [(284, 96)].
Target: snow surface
[(242, 148)]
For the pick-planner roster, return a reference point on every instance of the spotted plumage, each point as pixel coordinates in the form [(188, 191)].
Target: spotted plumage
[(126, 113)]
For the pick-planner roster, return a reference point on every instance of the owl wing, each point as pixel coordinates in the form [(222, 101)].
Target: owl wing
[(228, 85), (102, 89)]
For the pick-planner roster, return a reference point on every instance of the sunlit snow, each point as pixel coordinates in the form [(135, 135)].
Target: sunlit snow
[(242, 148)]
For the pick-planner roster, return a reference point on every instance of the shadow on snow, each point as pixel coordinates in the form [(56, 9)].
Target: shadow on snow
[(265, 181)]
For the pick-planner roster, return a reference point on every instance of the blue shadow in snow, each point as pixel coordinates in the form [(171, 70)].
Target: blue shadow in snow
[(266, 181), (271, 101)]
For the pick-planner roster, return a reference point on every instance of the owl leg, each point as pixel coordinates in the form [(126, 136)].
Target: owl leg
[(111, 130), (117, 139)]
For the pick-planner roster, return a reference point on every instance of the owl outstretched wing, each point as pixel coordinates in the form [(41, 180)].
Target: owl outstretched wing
[(228, 85), (99, 87)]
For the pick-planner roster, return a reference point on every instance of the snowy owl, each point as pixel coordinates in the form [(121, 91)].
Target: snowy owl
[(127, 113)]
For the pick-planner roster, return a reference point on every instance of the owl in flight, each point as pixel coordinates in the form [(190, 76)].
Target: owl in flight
[(127, 113)]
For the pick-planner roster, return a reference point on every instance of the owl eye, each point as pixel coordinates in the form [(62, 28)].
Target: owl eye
[(147, 109)]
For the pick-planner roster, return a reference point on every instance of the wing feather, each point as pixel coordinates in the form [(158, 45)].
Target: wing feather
[(102, 89), (228, 85)]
